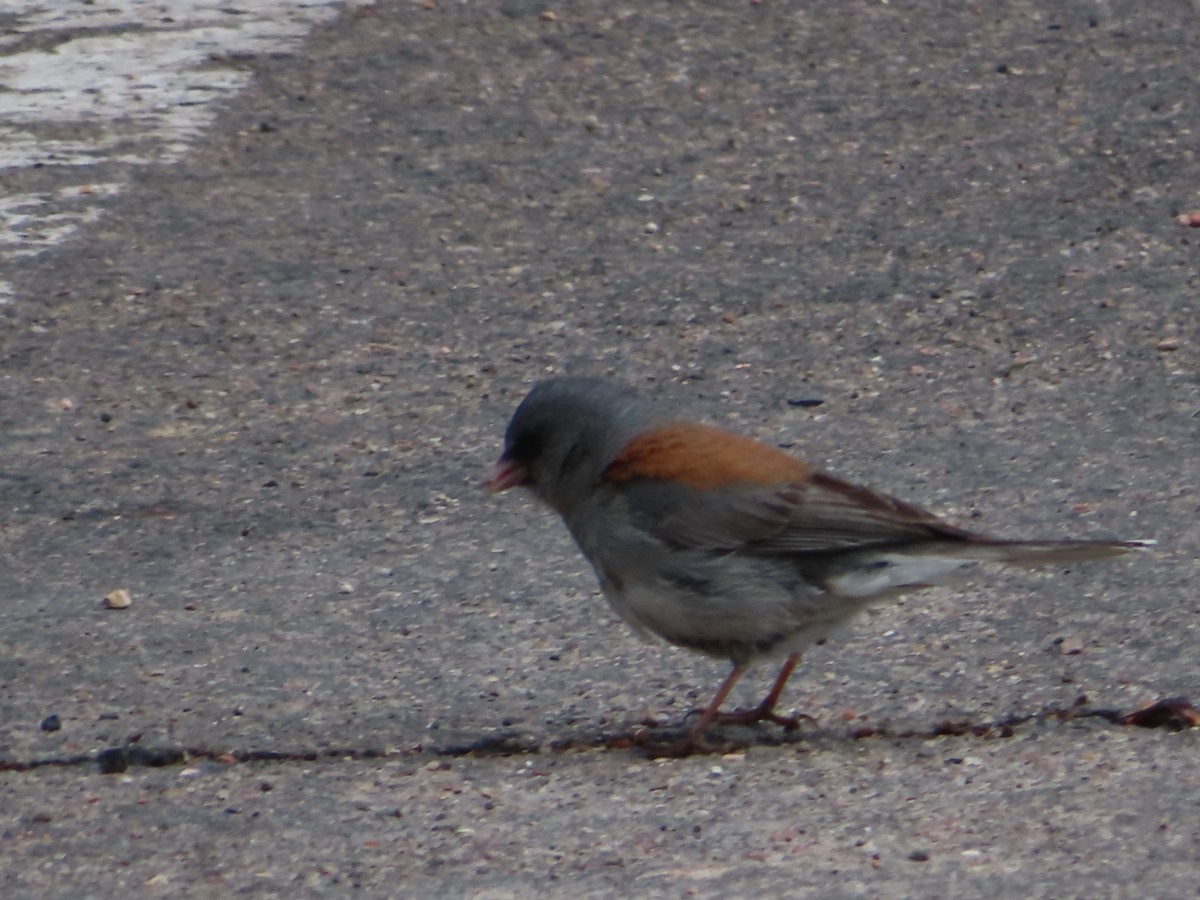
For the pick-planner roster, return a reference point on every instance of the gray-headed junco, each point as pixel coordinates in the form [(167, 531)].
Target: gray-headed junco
[(724, 545)]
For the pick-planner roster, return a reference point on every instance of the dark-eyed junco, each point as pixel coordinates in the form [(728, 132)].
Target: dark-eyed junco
[(724, 545)]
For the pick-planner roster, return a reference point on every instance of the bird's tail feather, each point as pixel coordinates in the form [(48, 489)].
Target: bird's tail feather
[(1038, 553), (879, 572)]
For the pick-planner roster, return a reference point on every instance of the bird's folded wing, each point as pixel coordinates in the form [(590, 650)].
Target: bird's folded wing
[(820, 515), (830, 514)]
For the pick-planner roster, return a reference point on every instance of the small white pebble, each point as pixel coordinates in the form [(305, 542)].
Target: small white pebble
[(118, 599)]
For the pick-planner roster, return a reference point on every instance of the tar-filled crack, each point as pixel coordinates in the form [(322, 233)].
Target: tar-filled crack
[(1173, 713), (114, 760)]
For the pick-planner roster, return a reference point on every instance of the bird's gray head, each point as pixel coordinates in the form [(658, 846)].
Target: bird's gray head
[(564, 434)]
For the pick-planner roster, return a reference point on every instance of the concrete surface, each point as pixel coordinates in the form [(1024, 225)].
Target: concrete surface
[(260, 394)]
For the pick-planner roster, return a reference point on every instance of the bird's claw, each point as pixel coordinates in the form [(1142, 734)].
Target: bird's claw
[(757, 714)]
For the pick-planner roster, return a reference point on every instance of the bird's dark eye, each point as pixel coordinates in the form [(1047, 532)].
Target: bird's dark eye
[(524, 447), (572, 458)]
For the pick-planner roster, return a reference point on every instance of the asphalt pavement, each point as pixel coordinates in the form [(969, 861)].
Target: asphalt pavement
[(259, 394)]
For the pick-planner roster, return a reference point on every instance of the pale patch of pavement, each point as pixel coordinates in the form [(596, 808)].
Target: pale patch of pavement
[(88, 90)]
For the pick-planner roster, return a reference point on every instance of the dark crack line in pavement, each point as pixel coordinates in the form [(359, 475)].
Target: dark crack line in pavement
[(114, 760), (1173, 713)]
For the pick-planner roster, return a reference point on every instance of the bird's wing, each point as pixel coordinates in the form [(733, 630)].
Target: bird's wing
[(700, 487)]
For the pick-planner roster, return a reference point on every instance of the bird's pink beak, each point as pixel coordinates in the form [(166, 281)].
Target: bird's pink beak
[(507, 473)]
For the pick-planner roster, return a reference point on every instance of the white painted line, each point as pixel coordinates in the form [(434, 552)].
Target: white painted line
[(124, 82)]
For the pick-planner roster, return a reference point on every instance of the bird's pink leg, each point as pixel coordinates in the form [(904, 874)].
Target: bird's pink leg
[(712, 711), (694, 739), (765, 711)]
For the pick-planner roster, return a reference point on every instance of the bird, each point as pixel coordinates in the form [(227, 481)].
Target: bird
[(727, 546)]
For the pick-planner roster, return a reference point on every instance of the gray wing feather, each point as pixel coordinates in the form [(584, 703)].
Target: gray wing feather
[(822, 514)]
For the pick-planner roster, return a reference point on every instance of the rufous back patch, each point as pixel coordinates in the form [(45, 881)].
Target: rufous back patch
[(703, 457)]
